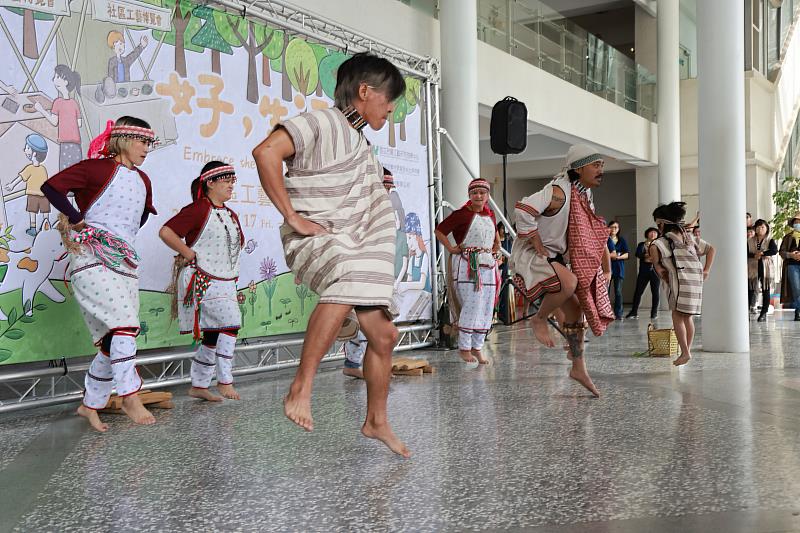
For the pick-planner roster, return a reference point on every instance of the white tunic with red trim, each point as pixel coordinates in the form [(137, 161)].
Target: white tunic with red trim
[(476, 289), (210, 282), (108, 296)]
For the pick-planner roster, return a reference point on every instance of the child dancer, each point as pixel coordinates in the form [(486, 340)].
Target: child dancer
[(207, 270), (676, 258), (114, 200)]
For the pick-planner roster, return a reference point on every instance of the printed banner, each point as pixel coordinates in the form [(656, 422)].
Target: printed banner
[(212, 85)]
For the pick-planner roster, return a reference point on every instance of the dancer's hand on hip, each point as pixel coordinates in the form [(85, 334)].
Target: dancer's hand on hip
[(305, 227)]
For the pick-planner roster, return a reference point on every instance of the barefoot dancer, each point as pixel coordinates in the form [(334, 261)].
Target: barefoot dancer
[(339, 231), (205, 280), (474, 268), (676, 258), (558, 218), (114, 199)]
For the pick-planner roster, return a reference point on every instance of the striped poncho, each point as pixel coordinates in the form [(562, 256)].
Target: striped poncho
[(335, 180)]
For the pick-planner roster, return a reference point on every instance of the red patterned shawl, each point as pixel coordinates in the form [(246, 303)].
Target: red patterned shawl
[(587, 238)]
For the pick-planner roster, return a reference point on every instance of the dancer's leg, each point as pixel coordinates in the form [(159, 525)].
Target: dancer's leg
[(553, 301), (325, 322), (680, 324), (381, 337), (575, 329)]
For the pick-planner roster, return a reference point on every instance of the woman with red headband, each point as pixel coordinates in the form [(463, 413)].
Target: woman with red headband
[(207, 269), (474, 268), (114, 200)]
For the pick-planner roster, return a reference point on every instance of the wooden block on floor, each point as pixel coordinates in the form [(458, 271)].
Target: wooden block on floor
[(166, 404), (428, 369), (147, 397), (404, 363), (413, 372)]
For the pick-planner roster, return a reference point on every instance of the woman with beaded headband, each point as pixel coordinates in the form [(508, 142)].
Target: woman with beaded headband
[(205, 275), (474, 268), (114, 199), (557, 226), (339, 231)]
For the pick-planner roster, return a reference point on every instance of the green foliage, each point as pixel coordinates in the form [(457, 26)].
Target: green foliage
[(209, 35), (182, 10), (328, 66), (6, 237), (400, 110), (301, 66), (274, 49), (413, 87), (787, 204)]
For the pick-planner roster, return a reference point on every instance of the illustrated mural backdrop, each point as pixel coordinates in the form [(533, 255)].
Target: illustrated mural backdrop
[(212, 85)]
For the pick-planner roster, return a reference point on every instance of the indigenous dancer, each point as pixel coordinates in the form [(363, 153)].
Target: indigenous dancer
[(676, 258), (557, 219), (204, 281), (474, 268), (339, 231), (114, 200)]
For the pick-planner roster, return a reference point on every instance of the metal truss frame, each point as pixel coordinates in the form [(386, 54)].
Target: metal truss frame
[(62, 381)]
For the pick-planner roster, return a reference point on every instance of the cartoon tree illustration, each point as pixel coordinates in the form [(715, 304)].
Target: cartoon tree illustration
[(301, 65), (30, 45), (184, 27), (271, 57), (286, 84), (328, 66), (399, 115), (320, 52), (411, 96), (210, 37), (144, 329), (254, 38)]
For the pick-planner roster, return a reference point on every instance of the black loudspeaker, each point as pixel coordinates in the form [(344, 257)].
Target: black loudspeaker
[(508, 130)]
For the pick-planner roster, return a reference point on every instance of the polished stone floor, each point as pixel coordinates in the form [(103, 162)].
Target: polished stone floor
[(713, 446)]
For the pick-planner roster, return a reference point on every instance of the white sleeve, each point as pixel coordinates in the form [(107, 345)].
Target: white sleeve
[(529, 209)]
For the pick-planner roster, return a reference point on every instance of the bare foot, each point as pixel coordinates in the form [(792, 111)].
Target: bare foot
[(353, 372), (228, 391), (298, 410), (204, 394), (682, 360), (542, 332), (479, 356), (93, 418), (132, 406), (467, 356), (385, 434), (584, 379)]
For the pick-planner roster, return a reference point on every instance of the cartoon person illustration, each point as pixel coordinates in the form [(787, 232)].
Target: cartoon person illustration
[(33, 175), (415, 290), (119, 66), (65, 115)]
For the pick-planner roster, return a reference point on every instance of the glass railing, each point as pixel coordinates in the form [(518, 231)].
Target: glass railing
[(779, 20), (540, 36), (790, 160)]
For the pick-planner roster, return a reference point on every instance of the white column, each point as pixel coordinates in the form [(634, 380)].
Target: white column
[(668, 113), (459, 99), (720, 79)]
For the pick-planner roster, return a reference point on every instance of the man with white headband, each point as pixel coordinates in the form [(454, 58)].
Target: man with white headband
[(557, 226)]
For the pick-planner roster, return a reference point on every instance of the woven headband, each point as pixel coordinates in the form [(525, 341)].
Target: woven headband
[(478, 184), (582, 162), (134, 132), (216, 173)]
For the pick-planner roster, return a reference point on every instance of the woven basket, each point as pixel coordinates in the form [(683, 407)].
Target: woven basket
[(661, 342)]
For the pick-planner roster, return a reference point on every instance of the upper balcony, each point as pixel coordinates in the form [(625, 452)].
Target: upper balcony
[(535, 33)]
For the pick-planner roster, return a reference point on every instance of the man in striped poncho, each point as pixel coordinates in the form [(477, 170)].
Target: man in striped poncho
[(339, 230)]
